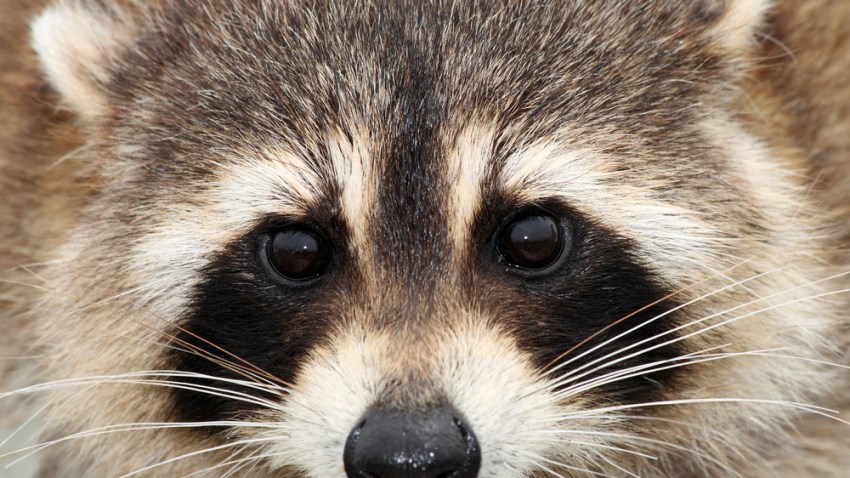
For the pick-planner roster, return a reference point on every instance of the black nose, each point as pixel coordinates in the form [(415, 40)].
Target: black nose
[(422, 444)]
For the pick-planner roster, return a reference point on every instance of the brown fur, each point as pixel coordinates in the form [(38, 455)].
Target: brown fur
[(35, 134), (798, 99), (799, 95)]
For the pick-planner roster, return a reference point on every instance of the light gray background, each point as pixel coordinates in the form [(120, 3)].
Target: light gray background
[(22, 469)]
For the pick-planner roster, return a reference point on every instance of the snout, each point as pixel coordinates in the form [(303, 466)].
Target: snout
[(392, 443)]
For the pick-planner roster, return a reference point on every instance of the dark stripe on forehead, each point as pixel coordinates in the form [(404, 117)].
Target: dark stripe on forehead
[(410, 229)]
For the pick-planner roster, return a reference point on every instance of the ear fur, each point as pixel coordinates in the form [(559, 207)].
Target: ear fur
[(76, 41), (735, 31)]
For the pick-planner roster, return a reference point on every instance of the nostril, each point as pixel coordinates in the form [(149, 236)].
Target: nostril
[(473, 451), (420, 444)]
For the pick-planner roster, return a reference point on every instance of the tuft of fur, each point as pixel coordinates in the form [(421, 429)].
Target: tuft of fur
[(699, 151)]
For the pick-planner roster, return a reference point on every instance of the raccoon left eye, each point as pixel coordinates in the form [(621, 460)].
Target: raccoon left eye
[(533, 242), (298, 254)]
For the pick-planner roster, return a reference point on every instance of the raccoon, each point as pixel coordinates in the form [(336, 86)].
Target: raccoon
[(422, 239)]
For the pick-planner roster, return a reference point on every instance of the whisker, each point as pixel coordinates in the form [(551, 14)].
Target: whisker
[(250, 366), (637, 344), (539, 460), (251, 464), (129, 427), (243, 442), (247, 369), (69, 155), (714, 326), (795, 357), (255, 457), (613, 448), (818, 410), (611, 462), (549, 367), (117, 296), (22, 357), (131, 378), (25, 284), (638, 371), (21, 427), (628, 373), (226, 364), (570, 378), (725, 437), (646, 441)]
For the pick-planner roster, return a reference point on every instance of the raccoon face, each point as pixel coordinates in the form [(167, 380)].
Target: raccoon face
[(393, 239)]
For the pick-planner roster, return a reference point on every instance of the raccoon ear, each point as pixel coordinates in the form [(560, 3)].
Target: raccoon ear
[(76, 41), (735, 30)]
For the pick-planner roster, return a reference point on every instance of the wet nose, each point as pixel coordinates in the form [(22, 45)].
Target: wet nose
[(391, 443)]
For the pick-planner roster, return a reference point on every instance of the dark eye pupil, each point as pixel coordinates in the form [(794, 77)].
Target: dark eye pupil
[(532, 242), (298, 254)]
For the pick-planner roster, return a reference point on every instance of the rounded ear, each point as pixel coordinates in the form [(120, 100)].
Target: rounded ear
[(76, 41), (735, 31)]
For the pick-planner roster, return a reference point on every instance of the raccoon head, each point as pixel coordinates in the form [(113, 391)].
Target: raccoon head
[(427, 239)]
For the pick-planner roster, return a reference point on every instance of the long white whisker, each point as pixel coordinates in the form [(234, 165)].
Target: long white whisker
[(252, 463), (239, 366), (119, 295), (539, 460), (641, 370), (702, 353), (795, 357), (613, 448), (229, 365), (611, 462), (130, 376), (129, 427), (21, 427), (704, 329), (822, 411), (560, 382), (25, 284), (715, 432), (250, 441), (222, 362), (645, 440), (653, 319), (237, 461), (208, 390)]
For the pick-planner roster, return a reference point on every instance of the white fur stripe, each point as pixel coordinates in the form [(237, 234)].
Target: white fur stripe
[(357, 180), (468, 159), (667, 235), (173, 251)]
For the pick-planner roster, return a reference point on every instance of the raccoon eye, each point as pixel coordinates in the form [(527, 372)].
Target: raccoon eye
[(297, 253), (534, 241)]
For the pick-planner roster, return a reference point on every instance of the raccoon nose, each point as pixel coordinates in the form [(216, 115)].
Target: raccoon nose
[(422, 444)]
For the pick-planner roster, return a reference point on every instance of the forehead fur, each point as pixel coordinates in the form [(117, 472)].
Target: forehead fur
[(290, 69)]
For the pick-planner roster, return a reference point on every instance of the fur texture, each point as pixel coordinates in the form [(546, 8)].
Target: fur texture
[(697, 154)]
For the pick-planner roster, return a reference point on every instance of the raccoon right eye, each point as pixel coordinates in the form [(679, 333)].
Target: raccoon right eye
[(298, 253), (533, 242)]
